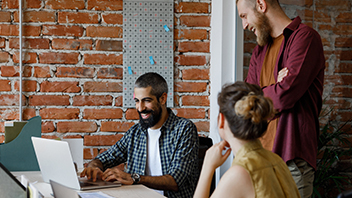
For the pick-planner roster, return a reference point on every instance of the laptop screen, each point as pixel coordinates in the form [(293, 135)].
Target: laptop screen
[(9, 185)]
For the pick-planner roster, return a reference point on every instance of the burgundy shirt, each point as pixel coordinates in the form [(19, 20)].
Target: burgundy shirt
[(298, 98)]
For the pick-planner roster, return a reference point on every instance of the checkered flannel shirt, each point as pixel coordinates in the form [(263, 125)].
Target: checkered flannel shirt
[(178, 144)]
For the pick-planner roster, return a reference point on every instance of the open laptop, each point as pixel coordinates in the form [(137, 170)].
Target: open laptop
[(10, 187), (55, 163)]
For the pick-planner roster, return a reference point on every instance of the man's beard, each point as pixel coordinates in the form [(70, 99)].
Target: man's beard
[(152, 120), (263, 29)]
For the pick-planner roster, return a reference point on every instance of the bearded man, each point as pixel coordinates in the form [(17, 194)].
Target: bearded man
[(288, 63), (160, 151)]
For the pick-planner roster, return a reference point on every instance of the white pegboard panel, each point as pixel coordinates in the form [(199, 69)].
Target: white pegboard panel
[(148, 31)]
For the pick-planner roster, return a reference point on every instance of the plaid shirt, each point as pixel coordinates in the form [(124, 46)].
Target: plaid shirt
[(178, 144)]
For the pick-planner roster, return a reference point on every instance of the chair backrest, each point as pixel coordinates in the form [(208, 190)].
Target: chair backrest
[(345, 194), (204, 144)]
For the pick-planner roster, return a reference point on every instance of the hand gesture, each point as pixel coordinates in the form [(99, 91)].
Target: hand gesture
[(113, 174), (282, 74), (214, 157), (92, 173)]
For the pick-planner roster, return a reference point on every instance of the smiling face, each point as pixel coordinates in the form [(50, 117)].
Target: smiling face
[(148, 106), (254, 21)]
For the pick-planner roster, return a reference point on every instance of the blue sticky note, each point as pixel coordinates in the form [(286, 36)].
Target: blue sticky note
[(151, 60), (130, 71), (166, 28)]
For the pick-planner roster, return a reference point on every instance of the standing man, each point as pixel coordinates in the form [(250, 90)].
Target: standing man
[(296, 51), (161, 151)]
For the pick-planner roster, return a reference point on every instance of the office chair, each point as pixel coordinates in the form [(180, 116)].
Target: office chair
[(204, 144)]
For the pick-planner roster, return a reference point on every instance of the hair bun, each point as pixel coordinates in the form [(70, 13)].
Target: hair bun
[(255, 107)]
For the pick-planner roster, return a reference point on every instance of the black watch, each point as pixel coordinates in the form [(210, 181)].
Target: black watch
[(135, 177)]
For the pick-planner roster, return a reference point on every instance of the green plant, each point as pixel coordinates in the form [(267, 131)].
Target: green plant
[(330, 178)]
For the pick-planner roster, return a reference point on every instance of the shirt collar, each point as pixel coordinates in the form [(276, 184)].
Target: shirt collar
[(292, 26), (249, 146)]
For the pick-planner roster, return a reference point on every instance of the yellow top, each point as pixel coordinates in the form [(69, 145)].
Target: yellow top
[(269, 173)]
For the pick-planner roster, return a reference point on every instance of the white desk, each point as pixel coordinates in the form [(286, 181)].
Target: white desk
[(130, 191)]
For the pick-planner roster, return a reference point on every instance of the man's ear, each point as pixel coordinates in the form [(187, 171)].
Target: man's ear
[(261, 6), (221, 121), (163, 98)]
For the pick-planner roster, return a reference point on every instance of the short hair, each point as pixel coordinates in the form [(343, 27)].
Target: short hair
[(246, 109), (273, 3), (156, 81)]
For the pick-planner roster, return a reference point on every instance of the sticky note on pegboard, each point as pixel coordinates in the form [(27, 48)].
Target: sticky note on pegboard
[(148, 47)]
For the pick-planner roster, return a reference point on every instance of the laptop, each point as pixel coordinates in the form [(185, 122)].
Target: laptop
[(10, 187), (55, 163), (61, 191)]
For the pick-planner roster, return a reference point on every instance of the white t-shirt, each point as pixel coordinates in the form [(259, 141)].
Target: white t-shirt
[(153, 167)]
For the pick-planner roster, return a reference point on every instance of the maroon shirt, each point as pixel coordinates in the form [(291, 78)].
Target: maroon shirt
[(298, 98)]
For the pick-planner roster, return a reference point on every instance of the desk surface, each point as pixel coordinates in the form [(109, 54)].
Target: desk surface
[(130, 191)]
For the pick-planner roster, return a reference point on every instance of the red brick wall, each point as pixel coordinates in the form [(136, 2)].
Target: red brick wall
[(73, 68)]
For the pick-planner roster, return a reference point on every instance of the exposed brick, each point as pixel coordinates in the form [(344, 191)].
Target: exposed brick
[(195, 21), (28, 57), (78, 17), (4, 57), (13, 71), (8, 30), (27, 85), (5, 16), (111, 73), (339, 29), (345, 55), (132, 114), (2, 42), (305, 15), (92, 101), (58, 58), (72, 44), (108, 45), (195, 74), (33, 4), (248, 47), (5, 85), (322, 17), (65, 4), (101, 31), (59, 113), (115, 5), (194, 46), (102, 87), (76, 72), (9, 114), (112, 18), (118, 101), (191, 60), (102, 59), (102, 114), (339, 91), (344, 68), (195, 100), (48, 127), (31, 30), (115, 126), (190, 113), (192, 7), (191, 34), (8, 100), (101, 140), (42, 72), (190, 86), (64, 87), (343, 42), (332, 5), (62, 30), (90, 153), (28, 113), (30, 43), (202, 126), (306, 3), (36, 16), (83, 127), (48, 100)]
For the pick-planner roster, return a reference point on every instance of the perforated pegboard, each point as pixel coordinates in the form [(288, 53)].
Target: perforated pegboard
[(148, 44)]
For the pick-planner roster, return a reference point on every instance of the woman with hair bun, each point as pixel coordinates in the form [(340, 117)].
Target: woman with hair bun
[(255, 172)]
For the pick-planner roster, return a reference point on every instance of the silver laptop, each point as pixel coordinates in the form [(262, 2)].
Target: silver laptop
[(55, 163)]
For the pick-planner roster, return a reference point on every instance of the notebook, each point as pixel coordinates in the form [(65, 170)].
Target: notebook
[(55, 163), (10, 187)]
